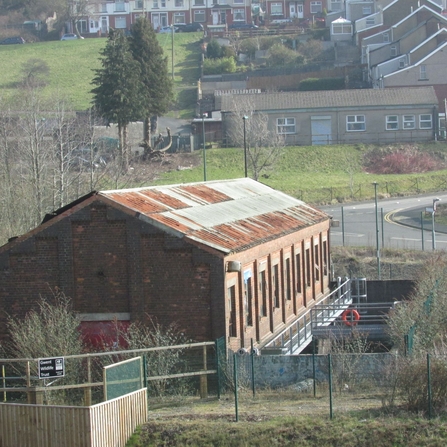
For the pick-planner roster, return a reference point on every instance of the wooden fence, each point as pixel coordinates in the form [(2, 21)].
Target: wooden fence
[(110, 423)]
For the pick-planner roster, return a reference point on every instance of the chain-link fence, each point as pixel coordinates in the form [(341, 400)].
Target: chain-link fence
[(339, 383), (365, 191)]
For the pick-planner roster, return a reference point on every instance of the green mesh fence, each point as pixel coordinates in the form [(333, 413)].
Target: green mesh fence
[(123, 378)]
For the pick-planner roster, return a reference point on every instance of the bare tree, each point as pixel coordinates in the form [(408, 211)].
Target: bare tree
[(263, 146)]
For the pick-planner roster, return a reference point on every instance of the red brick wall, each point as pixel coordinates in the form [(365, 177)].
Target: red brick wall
[(27, 274), (108, 261)]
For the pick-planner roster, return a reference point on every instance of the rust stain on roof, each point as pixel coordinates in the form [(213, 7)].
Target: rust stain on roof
[(138, 202), (165, 199), (228, 215), (206, 193)]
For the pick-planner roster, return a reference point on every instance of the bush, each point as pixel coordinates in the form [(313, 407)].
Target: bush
[(281, 56), (213, 50), (405, 159), (314, 84), (217, 66), (412, 384)]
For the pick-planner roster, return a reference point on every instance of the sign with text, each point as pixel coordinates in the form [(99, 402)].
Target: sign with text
[(51, 367)]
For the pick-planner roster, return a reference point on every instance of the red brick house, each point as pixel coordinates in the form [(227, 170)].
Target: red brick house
[(230, 258)]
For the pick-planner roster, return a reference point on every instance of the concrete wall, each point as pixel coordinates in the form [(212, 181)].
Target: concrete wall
[(389, 291), (285, 370)]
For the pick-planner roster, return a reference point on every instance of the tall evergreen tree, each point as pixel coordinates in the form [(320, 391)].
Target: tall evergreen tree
[(118, 94), (157, 85)]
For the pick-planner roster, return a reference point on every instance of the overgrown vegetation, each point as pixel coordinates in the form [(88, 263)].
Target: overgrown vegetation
[(286, 419)]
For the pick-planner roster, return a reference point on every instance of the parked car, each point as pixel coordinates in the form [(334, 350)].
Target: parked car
[(70, 36), (167, 29), (242, 25), (12, 40), (189, 28)]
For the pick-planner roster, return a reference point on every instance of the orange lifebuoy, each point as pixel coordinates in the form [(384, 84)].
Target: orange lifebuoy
[(350, 317)]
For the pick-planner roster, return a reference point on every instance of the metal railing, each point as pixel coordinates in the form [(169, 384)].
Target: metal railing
[(298, 335), (338, 320)]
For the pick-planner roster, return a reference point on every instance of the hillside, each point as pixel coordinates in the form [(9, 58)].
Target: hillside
[(72, 63)]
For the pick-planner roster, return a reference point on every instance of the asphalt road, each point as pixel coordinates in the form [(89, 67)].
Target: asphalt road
[(399, 223)]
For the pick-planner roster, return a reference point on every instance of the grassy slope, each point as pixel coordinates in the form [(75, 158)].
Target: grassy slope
[(301, 169), (72, 63), (309, 172)]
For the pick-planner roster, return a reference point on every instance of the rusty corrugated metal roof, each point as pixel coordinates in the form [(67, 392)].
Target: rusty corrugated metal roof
[(228, 215)]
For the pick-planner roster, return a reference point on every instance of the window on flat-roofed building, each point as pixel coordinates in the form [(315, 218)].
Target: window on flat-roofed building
[(138, 4), (285, 126), (392, 122), (355, 123), (423, 72), (179, 3), (199, 2)]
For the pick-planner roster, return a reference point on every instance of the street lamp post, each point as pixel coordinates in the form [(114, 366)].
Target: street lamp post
[(245, 118), (377, 230), (433, 235), (204, 147)]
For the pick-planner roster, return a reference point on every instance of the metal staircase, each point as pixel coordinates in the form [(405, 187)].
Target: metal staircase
[(294, 338)]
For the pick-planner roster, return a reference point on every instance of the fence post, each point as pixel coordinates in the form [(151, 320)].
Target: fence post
[(253, 386), (218, 366), (203, 378), (4, 382), (235, 386), (422, 229), (88, 390), (429, 395), (330, 385), (314, 369)]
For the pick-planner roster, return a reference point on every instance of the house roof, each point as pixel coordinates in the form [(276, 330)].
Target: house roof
[(335, 98), (229, 215), (439, 49)]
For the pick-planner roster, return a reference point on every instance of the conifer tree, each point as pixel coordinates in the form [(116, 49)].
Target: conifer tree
[(157, 85), (118, 94)]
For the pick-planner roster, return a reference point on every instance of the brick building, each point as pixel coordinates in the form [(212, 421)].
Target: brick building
[(230, 258)]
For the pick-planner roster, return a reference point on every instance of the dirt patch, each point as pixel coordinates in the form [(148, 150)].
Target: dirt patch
[(159, 164)]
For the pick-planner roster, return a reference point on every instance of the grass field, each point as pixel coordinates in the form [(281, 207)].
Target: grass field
[(285, 420), (315, 174), (71, 65)]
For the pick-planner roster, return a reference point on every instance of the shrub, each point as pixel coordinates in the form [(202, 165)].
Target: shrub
[(313, 84), (217, 66), (214, 49), (281, 56), (400, 160)]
